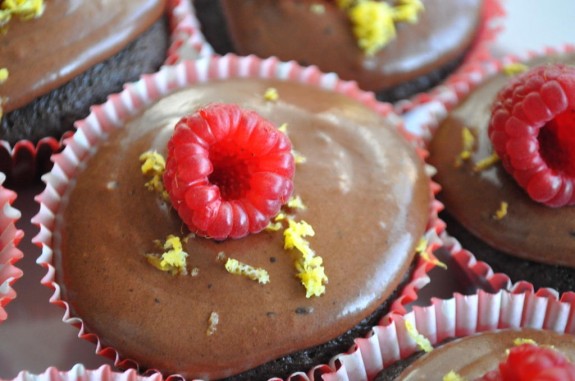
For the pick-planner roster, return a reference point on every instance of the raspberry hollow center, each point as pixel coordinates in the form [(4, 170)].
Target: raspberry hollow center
[(557, 143), (231, 172)]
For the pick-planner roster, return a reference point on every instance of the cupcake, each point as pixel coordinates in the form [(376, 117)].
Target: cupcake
[(9, 253), (396, 49), (99, 46), (324, 270), (503, 161)]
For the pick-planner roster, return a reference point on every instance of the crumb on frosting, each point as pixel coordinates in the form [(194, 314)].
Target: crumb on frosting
[(309, 266), (422, 342), (233, 266), (502, 211), (213, 321), (23, 9), (373, 22), (173, 259)]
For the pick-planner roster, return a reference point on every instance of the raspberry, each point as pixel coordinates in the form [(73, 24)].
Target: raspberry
[(532, 129), (228, 171), (529, 362)]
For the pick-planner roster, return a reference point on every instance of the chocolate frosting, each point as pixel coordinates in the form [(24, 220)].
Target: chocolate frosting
[(530, 230), (367, 198), (291, 30), (473, 356), (70, 36)]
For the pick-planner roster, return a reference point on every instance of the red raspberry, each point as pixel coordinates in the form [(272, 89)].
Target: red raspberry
[(228, 171), (532, 129), (529, 362)]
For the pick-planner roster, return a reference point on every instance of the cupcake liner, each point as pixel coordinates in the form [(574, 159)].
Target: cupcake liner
[(79, 372), (479, 52), (424, 120), (10, 237), (458, 316), (136, 96), (24, 161)]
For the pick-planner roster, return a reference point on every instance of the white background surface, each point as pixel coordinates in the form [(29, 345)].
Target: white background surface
[(34, 336)]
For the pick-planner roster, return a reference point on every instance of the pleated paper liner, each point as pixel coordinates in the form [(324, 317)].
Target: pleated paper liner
[(79, 372), (137, 96), (25, 161), (10, 237)]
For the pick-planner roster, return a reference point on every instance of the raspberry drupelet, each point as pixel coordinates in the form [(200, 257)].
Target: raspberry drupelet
[(228, 171)]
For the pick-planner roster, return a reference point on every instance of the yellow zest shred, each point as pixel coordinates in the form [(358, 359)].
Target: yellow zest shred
[(468, 142), (502, 211), (298, 157), (173, 259), (295, 202), (233, 266), (274, 226), (283, 128), (23, 9), (309, 267), (213, 321), (421, 341), (424, 251), (520, 341), (271, 94), (373, 22), (486, 162), (154, 164), (317, 8), (515, 68), (3, 75), (453, 376)]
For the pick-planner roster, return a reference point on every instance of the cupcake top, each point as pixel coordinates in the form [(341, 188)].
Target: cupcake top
[(483, 196), (70, 36), (366, 196), (336, 39), (472, 357)]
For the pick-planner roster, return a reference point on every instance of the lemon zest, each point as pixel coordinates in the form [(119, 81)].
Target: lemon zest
[(213, 321), (502, 211), (3, 75), (274, 226), (424, 251), (309, 266), (422, 342), (486, 162), (453, 376), (521, 340), (173, 259), (283, 128), (236, 267), (280, 216), (317, 8), (295, 202), (298, 157), (515, 68), (373, 22), (271, 94), (23, 9), (468, 142), (154, 165)]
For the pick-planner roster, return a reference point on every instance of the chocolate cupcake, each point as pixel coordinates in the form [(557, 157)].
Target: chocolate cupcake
[(9, 252), (235, 326), (491, 206), (67, 58), (394, 50)]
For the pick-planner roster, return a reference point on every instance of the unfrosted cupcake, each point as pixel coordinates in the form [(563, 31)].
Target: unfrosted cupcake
[(350, 190), (396, 49), (62, 57), (9, 252), (496, 209)]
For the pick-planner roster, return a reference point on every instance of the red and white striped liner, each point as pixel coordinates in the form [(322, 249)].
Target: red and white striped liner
[(80, 373), (424, 120), (488, 29), (24, 161), (10, 237), (136, 96)]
